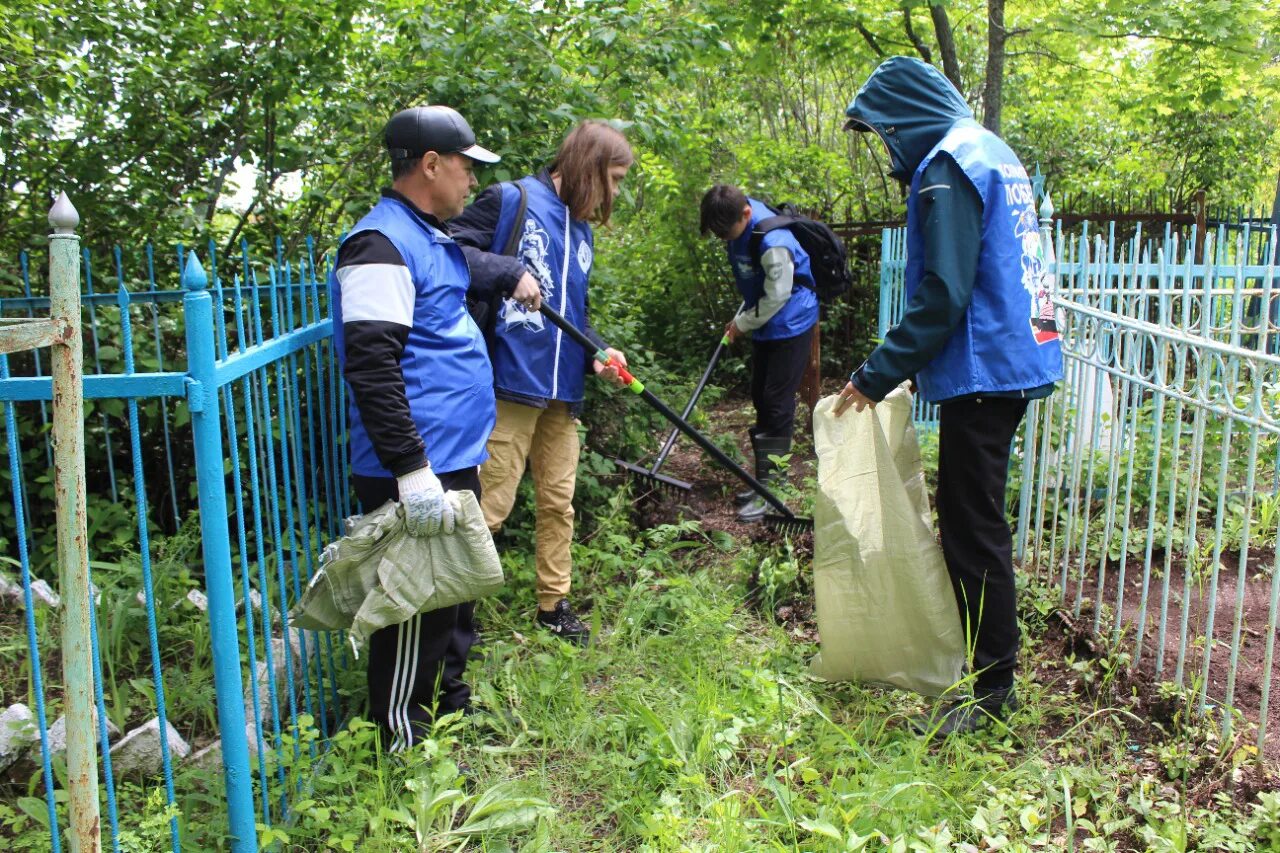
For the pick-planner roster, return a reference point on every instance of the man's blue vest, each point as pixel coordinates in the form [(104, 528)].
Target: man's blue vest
[(1007, 340), (447, 378), (801, 310), (531, 357)]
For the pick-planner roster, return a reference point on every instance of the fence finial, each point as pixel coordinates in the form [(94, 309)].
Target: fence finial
[(1037, 182), (63, 215), (1046, 209), (193, 274)]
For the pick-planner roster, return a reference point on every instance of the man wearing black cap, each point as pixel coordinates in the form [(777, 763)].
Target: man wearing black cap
[(421, 389)]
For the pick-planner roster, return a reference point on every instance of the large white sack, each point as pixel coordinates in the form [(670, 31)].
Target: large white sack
[(886, 610)]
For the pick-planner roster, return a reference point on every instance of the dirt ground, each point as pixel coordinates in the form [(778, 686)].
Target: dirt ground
[(1192, 598)]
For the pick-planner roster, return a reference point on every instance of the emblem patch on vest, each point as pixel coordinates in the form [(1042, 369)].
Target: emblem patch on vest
[(584, 257), (534, 246), (1036, 278)]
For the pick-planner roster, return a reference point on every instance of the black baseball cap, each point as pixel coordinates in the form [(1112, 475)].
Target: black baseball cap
[(413, 132)]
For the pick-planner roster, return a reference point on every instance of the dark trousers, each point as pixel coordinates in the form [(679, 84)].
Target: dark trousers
[(973, 463), (415, 668), (776, 370)]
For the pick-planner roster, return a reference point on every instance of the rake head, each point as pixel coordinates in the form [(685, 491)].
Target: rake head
[(790, 524), (653, 480)]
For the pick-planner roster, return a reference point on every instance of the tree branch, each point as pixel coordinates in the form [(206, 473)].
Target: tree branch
[(1044, 53), (869, 37), (235, 232), (916, 41), (946, 43), (1190, 42)]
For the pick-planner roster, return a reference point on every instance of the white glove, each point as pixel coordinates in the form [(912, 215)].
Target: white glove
[(426, 512)]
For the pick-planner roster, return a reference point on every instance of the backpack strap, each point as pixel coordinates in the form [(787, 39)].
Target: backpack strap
[(513, 239), (485, 312), (773, 223), (764, 226)]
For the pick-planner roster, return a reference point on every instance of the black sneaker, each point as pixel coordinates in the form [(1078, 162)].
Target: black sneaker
[(967, 715), (564, 623)]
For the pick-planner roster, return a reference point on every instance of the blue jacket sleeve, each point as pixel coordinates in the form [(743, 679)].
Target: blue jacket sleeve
[(952, 226)]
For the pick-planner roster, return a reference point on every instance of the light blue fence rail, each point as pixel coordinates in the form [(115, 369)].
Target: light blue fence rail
[(217, 404), (1150, 491), (893, 302)]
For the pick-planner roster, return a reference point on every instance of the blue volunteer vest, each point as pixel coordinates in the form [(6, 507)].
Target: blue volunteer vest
[(447, 378), (1007, 340), (531, 357), (801, 310)]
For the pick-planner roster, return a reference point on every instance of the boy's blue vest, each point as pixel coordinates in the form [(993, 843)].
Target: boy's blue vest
[(1007, 340), (447, 378), (801, 310), (531, 357)]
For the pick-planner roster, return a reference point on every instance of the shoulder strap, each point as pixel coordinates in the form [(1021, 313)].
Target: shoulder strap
[(764, 226), (517, 225)]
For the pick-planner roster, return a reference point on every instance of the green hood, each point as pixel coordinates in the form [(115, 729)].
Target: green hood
[(910, 106)]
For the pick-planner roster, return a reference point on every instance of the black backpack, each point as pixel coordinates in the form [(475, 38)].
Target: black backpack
[(828, 260)]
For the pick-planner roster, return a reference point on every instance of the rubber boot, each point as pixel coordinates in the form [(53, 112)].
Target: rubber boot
[(766, 473), (968, 715), (745, 497)]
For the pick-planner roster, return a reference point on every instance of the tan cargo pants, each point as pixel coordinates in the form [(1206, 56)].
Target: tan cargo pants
[(548, 439)]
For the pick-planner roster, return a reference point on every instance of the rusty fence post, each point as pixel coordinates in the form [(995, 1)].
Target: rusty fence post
[(73, 558)]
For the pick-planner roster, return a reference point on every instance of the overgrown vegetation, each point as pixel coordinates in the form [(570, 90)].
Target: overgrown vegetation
[(692, 724), (248, 120)]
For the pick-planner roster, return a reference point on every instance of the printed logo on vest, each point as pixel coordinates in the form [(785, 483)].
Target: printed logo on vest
[(1036, 278), (584, 257), (534, 246)]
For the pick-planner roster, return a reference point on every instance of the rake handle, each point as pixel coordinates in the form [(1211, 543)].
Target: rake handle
[(693, 401), (663, 409)]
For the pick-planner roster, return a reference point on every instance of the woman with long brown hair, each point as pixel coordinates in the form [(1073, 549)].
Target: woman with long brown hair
[(539, 230)]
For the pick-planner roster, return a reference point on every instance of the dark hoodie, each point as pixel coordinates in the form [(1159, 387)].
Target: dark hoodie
[(910, 106)]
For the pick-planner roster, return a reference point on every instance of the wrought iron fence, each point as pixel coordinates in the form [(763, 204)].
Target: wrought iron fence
[(893, 303), (1150, 491), (230, 377)]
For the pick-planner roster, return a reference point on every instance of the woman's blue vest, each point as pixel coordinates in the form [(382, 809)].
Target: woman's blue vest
[(801, 310), (447, 378), (531, 357), (1007, 340)]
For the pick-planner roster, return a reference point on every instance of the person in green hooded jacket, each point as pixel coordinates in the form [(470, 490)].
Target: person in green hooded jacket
[(979, 337)]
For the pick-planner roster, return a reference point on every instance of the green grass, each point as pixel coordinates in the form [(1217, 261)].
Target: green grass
[(692, 724)]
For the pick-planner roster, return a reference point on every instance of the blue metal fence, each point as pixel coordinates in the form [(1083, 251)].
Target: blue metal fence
[(237, 383), (1150, 485), (893, 302)]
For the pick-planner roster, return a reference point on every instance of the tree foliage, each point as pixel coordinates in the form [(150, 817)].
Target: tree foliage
[(150, 111)]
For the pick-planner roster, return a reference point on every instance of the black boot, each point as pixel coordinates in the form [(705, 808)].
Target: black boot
[(967, 715), (766, 473), (745, 497)]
